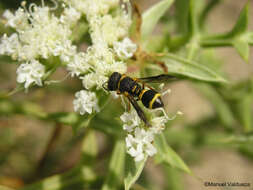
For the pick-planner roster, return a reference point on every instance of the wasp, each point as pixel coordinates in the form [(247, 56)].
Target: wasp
[(134, 89)]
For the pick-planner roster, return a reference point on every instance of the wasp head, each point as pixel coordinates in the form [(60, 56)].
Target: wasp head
[(113, 81)]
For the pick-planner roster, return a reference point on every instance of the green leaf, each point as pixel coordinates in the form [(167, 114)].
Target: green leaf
[(190, 69), (242, 22), (244, 110), (238, 37), (193, 47), (174, 178), (32, 109), (221, 107), (78, 176), (89, 148), (133, 171), (70, 118), (116, 167), (107, 120), (152, 16), (181, 15), (250, 38), (166, 155), (243, 49), (193, 35), (192, 22)]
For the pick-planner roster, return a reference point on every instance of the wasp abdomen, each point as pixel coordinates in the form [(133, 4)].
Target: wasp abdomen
[(151, 99)]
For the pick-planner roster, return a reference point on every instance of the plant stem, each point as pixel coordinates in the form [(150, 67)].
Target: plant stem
[(50, 145)]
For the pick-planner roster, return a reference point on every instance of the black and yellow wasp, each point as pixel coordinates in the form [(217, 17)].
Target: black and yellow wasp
[(131, 88)]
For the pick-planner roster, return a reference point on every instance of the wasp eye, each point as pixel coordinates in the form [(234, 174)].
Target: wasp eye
[(113, 81)]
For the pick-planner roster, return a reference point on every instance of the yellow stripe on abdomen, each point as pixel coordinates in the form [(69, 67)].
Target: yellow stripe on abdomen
[(141, 94), (153, 100)]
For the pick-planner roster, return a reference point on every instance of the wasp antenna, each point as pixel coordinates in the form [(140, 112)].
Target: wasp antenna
[(105, 87), (171, 117)]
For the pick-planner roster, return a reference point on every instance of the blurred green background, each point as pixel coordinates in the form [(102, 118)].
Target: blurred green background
[(212, 146)]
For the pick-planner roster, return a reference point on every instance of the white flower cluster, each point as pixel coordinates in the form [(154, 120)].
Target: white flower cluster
[(110, 44), (85, 101), (39, 34), (30, 72), (139, 141)]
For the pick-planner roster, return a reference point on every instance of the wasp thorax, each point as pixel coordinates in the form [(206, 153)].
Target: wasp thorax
[(113, 81)]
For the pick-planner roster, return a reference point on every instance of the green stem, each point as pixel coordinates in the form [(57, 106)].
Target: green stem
[(215, 41)]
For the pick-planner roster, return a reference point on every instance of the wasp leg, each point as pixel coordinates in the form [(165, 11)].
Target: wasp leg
[(166, 115), (129, 106), (123, 103)]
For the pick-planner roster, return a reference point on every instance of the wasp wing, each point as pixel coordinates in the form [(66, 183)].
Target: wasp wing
[(158, 79), (138, 110)]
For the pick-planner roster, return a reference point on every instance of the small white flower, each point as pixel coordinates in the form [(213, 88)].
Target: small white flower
[(130, 120), (66, 51), (18, 20), (158, 124), (144, 136), (85, 101), (140, 144), (9, 45), (70, 16), (135, 149), (101, 52), (125, 49), (78, 65), (117, 66), (39, 34), (30, 72), (94, 79), (94, 7), (89, 80), (113, 28)]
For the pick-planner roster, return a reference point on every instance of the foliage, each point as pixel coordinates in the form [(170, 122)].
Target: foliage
[(188, 54)]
